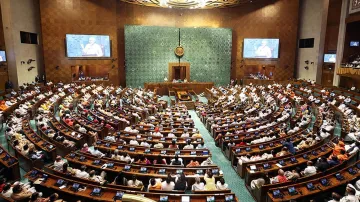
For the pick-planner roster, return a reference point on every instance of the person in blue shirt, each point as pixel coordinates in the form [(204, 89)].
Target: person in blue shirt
[(333, 161), (290, 146)]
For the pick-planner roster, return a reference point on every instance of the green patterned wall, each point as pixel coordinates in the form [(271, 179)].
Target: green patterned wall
[(208, 50), (149, 49)]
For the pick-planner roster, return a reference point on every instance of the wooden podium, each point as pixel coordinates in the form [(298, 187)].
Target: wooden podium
[(164, 87)]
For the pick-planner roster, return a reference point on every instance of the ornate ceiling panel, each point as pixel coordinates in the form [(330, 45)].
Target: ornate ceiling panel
[(191, 4)]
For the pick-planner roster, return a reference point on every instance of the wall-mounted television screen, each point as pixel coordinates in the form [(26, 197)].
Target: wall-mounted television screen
[(261, 48), (354, 43), (330, 58), (2, 56), (88, 46)]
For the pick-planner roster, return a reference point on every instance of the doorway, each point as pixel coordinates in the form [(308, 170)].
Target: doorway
[(179, 71)]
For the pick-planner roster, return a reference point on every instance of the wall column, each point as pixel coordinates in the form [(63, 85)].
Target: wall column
[(341, 39), (22, 15), (312, 24)]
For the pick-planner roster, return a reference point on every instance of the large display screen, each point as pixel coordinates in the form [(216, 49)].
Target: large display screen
[(330, 58), (354, 43), (85, 46), (2, 56), (261, 48)]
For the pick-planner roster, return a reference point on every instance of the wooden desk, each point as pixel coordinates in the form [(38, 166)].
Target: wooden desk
[(108, 193), (152, 172), (258, 82), (12, 170), (304, 194), (163, 87)]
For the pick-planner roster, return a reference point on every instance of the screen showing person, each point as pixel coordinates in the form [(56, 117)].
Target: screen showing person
[(87, 45), (330, 58), (261, 48), (354, 43), (2, 56)]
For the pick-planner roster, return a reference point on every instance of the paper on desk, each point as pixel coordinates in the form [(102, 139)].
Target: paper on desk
[(280, 166), (39, 181), (62, 187), (253, 167)]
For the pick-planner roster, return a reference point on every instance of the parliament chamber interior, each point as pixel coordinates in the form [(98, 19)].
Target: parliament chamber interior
[(179, 100)]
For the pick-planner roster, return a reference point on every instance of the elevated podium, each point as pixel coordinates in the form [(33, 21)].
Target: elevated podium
[(164, 87)]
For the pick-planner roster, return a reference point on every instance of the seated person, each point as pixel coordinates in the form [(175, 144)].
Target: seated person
[(284, 151), (7, 190), (201, 146), (173, 145), (335, 197), (154, 184), (85, 148), (280, 178), (188, 145), (221, 185), (177, 161), (35, 197), (322, 164), (116, 155), (160, 161), (97, 178), (134, 182), (181, 183), (309, 170), (207, 162), (293, 175), (333, 161), (168, 184), (349, 195), (193, 163), (58, 164), (209, 181), (82, 173), (143, 160), (20, 193), (343, 156), (198, 185)]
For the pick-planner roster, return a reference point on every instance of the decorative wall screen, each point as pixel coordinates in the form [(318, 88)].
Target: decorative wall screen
[(149, 50)]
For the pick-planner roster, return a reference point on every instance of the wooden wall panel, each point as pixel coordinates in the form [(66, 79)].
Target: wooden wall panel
[(266, 19), (333, 23), (3, 67), (59, 18)]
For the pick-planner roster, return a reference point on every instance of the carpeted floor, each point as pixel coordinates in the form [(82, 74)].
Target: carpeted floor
[(236, 184)]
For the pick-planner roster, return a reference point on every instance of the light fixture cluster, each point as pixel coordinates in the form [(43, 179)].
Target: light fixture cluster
[(190, 4)]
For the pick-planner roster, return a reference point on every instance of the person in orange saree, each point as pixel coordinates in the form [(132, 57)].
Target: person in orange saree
[(338, 146), (3, 106), (343, 156)]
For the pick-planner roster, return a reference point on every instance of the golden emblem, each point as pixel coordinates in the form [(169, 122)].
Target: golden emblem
[(179, 51)]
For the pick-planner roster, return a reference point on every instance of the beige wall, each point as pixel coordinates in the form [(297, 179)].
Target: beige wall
[(312, 24), (22, 15)]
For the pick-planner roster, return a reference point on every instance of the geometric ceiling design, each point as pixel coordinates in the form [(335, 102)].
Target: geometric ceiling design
[(191, 4)]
